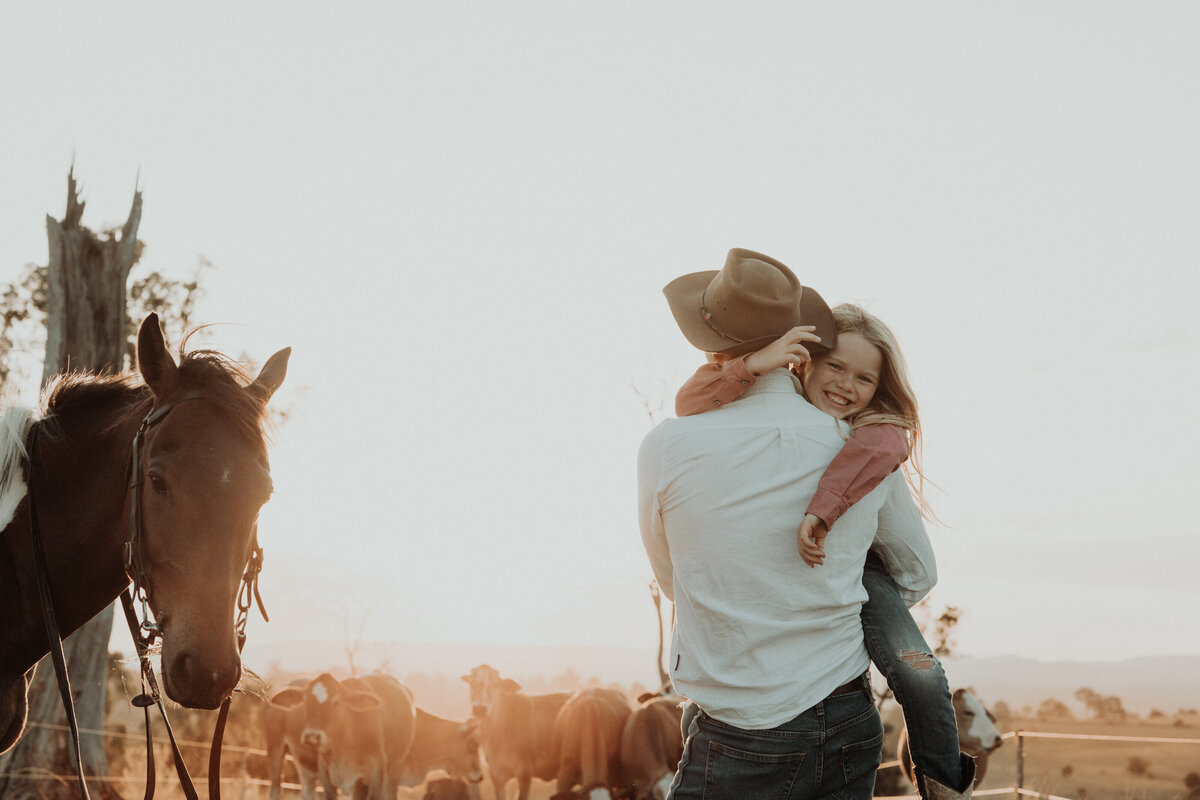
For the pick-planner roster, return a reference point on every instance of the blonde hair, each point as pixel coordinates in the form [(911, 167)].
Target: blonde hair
[(895, 402)]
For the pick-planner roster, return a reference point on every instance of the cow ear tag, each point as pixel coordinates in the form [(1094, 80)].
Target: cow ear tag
[(143, 701)]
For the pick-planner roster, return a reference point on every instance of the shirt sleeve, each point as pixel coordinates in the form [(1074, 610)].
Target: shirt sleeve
[(712, 386), (654, 535), (873, 453), (903, 544)]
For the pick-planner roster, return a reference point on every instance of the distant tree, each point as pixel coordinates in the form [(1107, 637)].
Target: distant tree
[(23, 317), (1053, 711), (938, 632), (1002, 711), (1102, 708), (943, 630)]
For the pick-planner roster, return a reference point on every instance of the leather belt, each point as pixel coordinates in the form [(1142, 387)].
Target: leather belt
[(857, 684)]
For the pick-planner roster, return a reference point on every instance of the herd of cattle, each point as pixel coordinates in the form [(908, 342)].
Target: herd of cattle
[(365, 737)]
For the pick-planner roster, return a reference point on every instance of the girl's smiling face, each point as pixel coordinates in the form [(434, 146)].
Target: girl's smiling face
[(843, 382)]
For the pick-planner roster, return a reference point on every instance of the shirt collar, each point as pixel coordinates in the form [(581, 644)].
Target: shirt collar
[(776, 381)]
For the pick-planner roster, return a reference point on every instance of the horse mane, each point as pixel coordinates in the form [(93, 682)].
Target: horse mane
[(125, 396)]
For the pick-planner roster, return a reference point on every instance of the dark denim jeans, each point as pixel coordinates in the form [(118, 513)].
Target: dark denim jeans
[(830, 752), (901, 653)]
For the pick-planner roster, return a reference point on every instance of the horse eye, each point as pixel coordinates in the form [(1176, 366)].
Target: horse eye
[(157, 481)]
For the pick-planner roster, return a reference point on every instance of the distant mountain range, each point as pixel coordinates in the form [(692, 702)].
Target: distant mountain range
[(1166, 683)]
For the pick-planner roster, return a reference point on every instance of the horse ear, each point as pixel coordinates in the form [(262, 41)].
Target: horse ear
[(155, 364), (271, 375)]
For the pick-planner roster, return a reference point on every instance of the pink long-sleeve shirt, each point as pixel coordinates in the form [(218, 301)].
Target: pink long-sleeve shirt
[(869, 456)]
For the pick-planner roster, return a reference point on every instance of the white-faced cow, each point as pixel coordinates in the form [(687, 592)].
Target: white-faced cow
[(588, 730), (362, 729), (413, 741), (651, 746), (517, 730), (283, 721), (977, 735)]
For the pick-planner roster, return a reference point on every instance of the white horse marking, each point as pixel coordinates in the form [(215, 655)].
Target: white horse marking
[(14, 426)]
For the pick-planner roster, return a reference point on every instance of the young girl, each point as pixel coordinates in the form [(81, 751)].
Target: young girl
[(863, 381)]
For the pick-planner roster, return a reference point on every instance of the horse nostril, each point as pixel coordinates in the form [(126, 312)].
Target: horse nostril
[(197, 683)]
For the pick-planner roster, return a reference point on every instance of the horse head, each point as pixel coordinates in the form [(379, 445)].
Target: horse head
[(203, 475)]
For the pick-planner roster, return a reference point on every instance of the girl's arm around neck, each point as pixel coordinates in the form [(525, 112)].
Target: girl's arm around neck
[(712, 386)]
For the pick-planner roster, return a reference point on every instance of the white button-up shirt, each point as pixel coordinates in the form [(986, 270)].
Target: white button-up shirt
[(760, 636)]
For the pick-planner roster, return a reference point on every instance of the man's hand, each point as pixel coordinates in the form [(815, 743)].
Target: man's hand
[(811, 537), (785, 351)]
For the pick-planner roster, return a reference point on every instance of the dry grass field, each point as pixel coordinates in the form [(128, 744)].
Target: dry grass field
[(1099, 769)]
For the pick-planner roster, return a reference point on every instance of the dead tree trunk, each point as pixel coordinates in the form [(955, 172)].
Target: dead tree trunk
[(85, 326)]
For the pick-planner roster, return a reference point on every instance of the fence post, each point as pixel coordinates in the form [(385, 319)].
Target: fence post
[(245, 758), (1020, 763)]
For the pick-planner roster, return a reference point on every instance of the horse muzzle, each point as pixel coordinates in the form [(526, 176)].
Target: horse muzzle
[(196, 682)]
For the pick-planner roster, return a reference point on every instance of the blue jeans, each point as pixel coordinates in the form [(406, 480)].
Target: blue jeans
[(829, 752), (900, 652)]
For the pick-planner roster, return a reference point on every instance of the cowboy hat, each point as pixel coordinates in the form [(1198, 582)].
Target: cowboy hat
[(746, 305)]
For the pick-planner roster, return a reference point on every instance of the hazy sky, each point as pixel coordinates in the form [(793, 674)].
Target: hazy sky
[(461, 216)]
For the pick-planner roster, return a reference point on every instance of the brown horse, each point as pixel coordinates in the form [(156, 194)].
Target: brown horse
[(201, 478)]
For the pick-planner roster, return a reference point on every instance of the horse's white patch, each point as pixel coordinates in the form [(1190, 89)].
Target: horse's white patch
[(599, 793), (225, 475), (320, 692), (662, 787), (14, 425)]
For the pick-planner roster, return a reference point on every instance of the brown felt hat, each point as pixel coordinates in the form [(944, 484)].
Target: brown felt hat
[(746, 305)]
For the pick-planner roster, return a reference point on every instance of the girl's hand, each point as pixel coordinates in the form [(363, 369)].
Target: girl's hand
[(787, 350), (811, 537)]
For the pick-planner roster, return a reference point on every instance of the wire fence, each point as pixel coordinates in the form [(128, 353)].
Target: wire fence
[(1019, 790), (240, 783), (245, 781)]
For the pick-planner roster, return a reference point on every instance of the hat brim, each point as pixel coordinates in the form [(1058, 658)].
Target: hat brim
[(685, 296)]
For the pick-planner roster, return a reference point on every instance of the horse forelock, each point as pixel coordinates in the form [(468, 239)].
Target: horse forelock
[(14, 427), (223, 381)]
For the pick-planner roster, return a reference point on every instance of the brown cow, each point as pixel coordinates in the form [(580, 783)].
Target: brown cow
[(518, 730), (344, 726), (446, 745), (651, 746), (588, 730), (362, 729), (436, 743), (283, 721)]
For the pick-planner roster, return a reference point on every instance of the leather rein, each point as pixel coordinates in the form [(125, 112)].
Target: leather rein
[(143, 642)]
